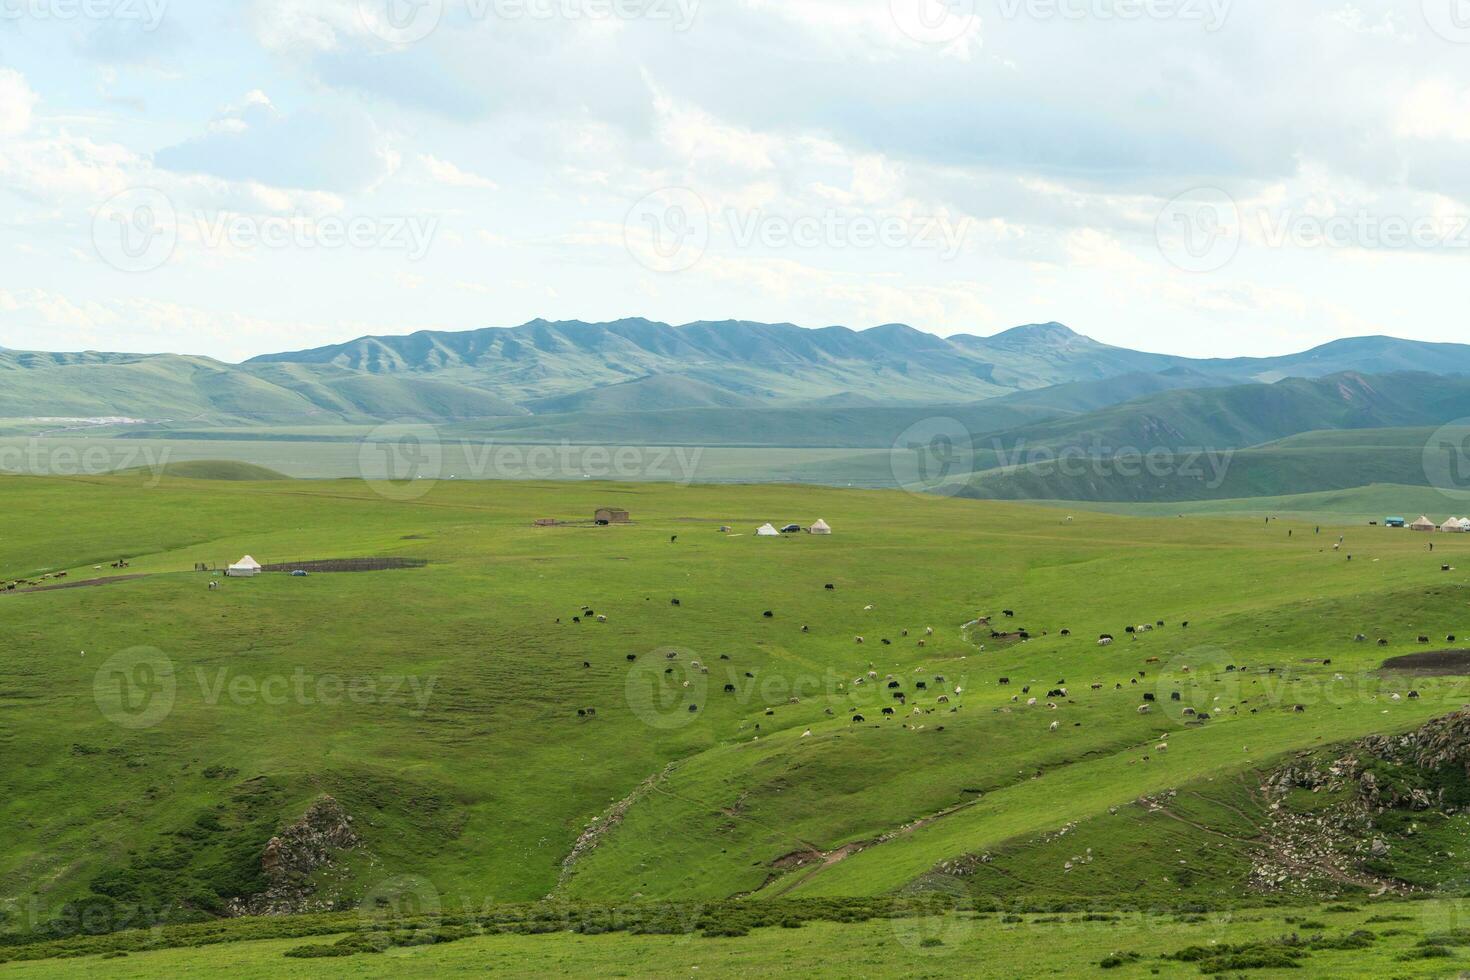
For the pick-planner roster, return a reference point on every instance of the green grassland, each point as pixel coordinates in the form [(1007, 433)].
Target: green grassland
[(440, 705), (1360, 505), (1387, 940)]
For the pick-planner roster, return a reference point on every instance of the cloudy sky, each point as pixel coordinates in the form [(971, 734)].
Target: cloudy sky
[(1207, 177)]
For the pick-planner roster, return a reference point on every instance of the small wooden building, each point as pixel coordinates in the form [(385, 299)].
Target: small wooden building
[(611, 515)]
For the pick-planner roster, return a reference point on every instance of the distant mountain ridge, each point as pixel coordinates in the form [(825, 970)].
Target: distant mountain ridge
[(574, 369)]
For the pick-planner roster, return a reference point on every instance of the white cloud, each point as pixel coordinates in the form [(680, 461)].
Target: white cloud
[(1435, 109), (322, 148), (16, 102), (445, 173)]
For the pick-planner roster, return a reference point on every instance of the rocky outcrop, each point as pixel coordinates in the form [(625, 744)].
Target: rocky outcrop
[(1377, 774), (292, 859)]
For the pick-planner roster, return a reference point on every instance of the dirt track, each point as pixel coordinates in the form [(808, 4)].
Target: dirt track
[(79, 584)]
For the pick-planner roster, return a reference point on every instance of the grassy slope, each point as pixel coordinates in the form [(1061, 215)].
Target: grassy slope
[(1249, 415), (1264, 472), (485, 790)]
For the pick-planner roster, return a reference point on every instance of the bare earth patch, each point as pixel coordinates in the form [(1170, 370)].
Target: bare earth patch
[(1431, 663)]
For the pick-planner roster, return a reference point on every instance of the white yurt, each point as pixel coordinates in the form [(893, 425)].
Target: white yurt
[(768, 531), (821, 527), (1453, 526), (244, 568), (1423, 524)]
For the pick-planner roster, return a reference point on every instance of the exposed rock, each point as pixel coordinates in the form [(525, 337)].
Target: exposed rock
[(1330, 844), (294, 856)]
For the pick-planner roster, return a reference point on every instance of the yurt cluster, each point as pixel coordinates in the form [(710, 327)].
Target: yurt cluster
[(1455, 525), (771, 531)]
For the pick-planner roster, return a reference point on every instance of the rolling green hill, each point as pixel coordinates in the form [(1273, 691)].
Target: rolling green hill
[(1200, 475), (205, 391), (1250, 415), (511, 723), (208, 469)]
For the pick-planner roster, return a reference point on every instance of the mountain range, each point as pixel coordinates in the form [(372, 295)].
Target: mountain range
[(571, 371)]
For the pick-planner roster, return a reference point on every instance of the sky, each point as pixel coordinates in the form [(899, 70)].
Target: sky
[(1200, 177)]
